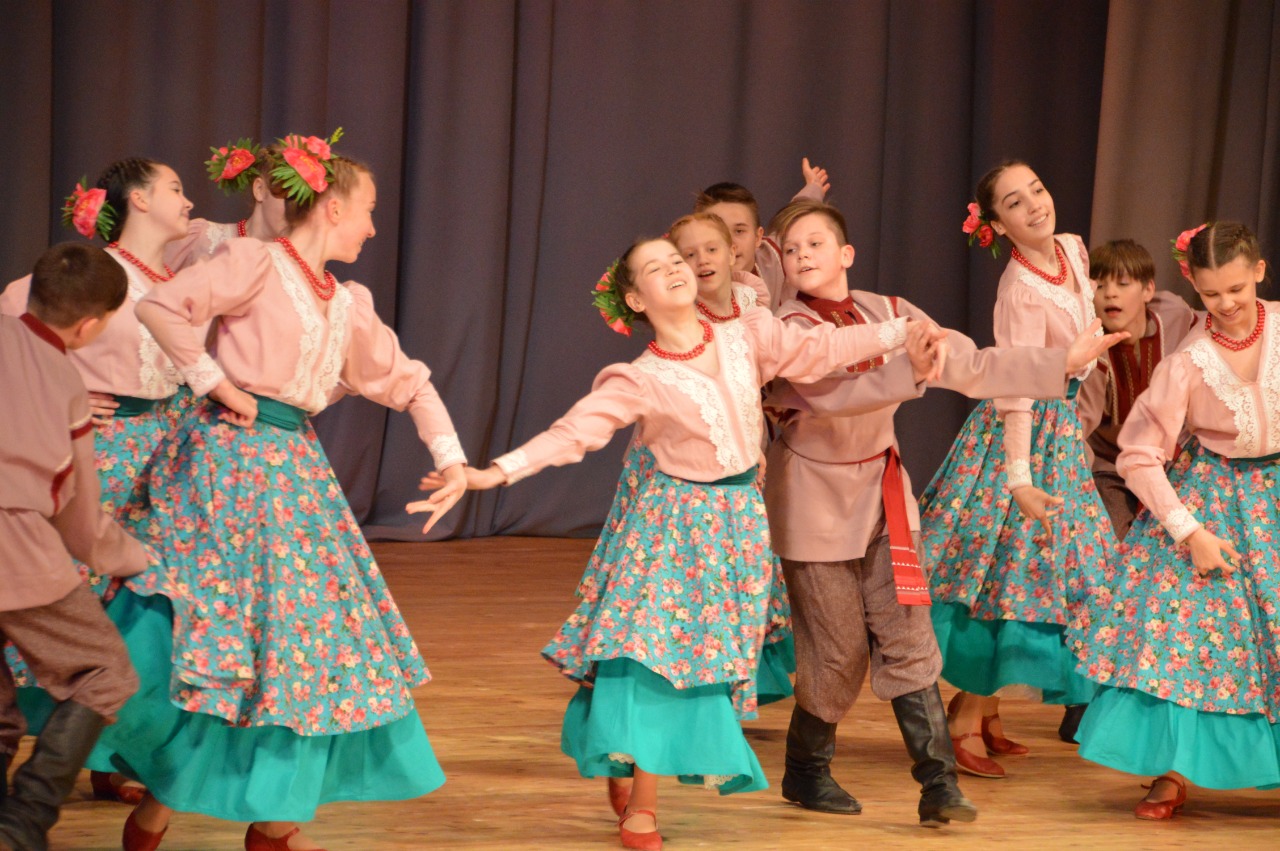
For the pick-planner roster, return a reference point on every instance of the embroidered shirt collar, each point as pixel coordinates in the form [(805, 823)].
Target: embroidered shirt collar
[(44, 332)]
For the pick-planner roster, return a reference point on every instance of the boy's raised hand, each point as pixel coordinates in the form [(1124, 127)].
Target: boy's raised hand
[(815, 176)]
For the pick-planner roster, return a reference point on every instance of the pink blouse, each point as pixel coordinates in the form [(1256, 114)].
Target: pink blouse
[(823, 490), (700, 427), (202, 239), (49, 504), (125, 359), (1195, 389), (277, 339), (1032, 312)]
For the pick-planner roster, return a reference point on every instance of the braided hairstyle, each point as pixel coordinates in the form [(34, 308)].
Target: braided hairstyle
[(346, 176), (119, 179), (1221, 242)]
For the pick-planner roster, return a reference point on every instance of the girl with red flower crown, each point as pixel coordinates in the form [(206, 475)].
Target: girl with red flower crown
[(271, 654), (138, 206), (667, 638), (1012, 518), (1183, 636)]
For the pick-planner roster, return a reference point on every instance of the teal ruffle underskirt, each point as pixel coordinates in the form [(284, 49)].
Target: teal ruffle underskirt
[(983, 657), (1139, 733), (632, 716), (194, 762)]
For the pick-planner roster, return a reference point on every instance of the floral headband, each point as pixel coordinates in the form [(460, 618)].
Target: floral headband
[(1180, 246), (609, 300), (88, 211), (232, 165), (307, 169), (979, 228)]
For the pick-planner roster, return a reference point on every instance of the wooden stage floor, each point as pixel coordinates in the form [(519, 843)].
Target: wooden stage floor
[(482, 610)]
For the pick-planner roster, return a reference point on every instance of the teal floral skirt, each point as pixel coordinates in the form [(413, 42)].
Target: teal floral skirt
[(1003, 589), (1191, 664)]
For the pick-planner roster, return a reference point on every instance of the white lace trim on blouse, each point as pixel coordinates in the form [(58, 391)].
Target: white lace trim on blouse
[(893, 333), (203, 375), (1079, 306), (740, 370), (158, 378), (1018, 474), (745, 296), (217, 233), (515, 465), (1232, 392), (320, 355), (1180, 523), (702, 390), (446, 450)]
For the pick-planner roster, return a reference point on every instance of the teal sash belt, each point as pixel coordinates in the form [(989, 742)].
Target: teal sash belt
[(279, 414), (746, 477), (1073, 387), (132, 406)]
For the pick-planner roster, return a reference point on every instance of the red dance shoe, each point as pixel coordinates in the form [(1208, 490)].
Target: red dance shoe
[(999, 744), (651, 841), (256, 840), (106, 789), (135, 838), (969, 763), (1162, 810), (619, 795)]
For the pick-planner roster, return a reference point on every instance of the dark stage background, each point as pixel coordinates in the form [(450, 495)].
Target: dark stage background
[(520, 144)]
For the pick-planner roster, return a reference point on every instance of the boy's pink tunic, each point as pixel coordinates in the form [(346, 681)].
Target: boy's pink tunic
[(49, 503), (823, 505), (1032, 312), (277, 339), (1194, 389), (700, 427)]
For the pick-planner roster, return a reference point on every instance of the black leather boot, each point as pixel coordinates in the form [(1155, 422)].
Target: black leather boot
[(44, 781), (923, 723), (811, 743), (1071, 722)]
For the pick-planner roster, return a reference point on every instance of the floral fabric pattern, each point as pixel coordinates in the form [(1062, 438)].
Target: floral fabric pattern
[(281, 616), (981, 552), (1212, 643), (680, 582)]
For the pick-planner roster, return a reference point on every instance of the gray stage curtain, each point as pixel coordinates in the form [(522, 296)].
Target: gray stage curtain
[(520, 144)]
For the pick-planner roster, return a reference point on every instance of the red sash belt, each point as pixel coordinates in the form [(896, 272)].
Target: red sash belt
[(908, 577)]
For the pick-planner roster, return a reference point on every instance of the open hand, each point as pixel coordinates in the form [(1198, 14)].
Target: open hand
[(1087, 347), (242, 408), (1038, 505), (448, 486), (102, 406)]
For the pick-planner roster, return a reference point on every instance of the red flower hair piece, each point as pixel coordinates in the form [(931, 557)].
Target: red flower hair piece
[(232, 166), (1180, 246), (88, 211), (980, 230), (307, 169)]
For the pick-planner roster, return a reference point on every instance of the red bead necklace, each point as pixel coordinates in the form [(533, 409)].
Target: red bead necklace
[(689, 355), (242, 228), (1231, 343), (1058, 279), (326, 290), (155, 276), (715, 317)]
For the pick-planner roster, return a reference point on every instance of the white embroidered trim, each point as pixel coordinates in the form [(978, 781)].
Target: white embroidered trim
[(740, 371), (446, 450), (316, 372), (515, 465), (745, 296), (203, 375), (715, 781), (893, 333), (158, 378), (625, 758), (1219, 378), (1018, 474), (702, 390), (217, 233), (1269, 384), (1079, 306), (1180, 523)]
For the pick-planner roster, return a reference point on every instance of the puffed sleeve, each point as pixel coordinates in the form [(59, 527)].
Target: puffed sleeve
[(378, 369), (191, 248), (86, 530), (1019, 321), (753, 286), (222, 286), (808, 354), (617, 399), (1149, 439), (13, 301)]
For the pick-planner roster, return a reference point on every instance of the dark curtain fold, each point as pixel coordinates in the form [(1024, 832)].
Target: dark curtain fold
[(520, 144)]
